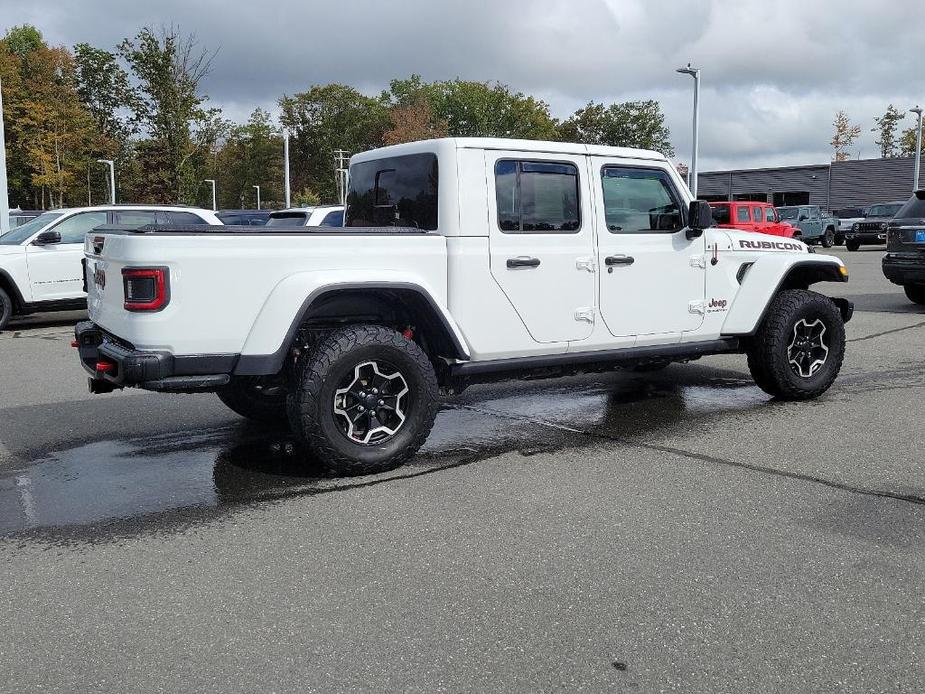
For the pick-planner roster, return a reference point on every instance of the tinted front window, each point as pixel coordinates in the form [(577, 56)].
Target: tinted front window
[(639, 200), (742, 215), (537, 196), (769, 214), (883, 210), (720, 214), (184, 218), (21, 233), (333, 219), (288, 219), (914, 208), (394, 191)]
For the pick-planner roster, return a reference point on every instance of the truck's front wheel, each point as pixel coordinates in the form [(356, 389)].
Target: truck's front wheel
[(364, 401), (6, 309), (255, 398), (798, 349)]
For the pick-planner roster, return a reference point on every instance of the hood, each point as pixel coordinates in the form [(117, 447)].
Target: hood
[(732, 240)]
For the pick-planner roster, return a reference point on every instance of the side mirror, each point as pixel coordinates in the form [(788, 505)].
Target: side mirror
[(699, 217), (47, 238)]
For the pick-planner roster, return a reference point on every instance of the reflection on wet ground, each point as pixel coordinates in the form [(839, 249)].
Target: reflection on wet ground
[(137, 485)]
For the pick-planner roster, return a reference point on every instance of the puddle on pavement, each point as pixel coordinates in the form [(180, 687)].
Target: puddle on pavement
[(140, 482)]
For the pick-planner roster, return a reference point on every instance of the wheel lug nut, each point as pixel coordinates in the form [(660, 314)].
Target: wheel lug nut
[(362, 394), (382, 402), (361, 408)]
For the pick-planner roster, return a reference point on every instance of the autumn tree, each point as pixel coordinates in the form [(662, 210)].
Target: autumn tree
[(846, 133), (887, 126), (630, 124), (325, 118), (907, 141), (414, 121)]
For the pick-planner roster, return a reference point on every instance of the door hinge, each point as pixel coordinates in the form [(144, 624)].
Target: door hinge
[(698, 306), (585, 314), (589, 264), (699, 261)]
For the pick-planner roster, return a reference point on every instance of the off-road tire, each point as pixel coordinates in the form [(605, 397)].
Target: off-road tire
[(6, 309), (852, 245), (828, 238), (839, 239), (915, 292), (253, 399), (768, 358), (312, 392)]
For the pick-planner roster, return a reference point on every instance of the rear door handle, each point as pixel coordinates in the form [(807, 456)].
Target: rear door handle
[(619, 260), (523, 261)]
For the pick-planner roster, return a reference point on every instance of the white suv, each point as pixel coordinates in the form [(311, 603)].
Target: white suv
[(40, 261)]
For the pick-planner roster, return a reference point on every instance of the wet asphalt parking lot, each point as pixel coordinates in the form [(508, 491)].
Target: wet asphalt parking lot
[(677, 531)]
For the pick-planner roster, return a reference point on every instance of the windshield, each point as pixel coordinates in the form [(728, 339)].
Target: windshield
[(788, 212), (287, 219), (850, 213), (883, 210), (720, 214), (21, 233)]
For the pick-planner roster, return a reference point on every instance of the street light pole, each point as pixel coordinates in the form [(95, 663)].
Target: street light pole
[(918, 149), (257, 188), (695, 73), (112, 179), (286, 167), (212, 181), (4, 191)]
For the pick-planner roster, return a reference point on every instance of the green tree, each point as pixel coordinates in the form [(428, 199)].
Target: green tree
[(476, 109), (103, 86), (251, 154), (887, 125), (170, 110), (630, 124), (23, 40), (907, 141), (846, 133), (323, 119)]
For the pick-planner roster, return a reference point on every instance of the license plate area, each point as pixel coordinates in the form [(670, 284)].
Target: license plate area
[(919, 236)]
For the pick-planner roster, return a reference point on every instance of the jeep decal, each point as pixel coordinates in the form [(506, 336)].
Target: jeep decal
[(770, 245)]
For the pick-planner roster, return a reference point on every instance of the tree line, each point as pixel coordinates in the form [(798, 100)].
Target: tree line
[(143, 106), (892, 141)]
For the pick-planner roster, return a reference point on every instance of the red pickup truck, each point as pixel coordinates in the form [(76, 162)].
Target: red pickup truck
[(759, 217)]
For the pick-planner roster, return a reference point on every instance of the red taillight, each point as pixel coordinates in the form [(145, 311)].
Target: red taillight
[(105, 366), (145, 288)]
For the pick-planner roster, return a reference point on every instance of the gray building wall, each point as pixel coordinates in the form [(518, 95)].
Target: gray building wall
[(853, 182)]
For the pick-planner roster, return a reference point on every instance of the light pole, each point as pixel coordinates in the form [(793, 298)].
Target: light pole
[(112, 179), (695, 73), (918, 148), (286, 167), (212, 181), (257, 188), (4, 191)]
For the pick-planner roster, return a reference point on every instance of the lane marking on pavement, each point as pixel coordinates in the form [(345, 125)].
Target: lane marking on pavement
[(704, 457)]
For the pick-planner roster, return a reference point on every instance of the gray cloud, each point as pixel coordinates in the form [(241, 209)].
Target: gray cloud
[(774, 72)]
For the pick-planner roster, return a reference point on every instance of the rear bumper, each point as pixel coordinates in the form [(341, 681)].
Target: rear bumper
[(114, 363), (900, 269)]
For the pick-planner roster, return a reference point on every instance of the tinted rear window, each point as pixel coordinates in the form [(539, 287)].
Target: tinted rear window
[(394, 191), (914, 208), (287, 219), (850, 213)]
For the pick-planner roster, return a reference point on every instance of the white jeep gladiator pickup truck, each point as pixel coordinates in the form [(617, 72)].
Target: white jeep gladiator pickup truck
[(462, 260)]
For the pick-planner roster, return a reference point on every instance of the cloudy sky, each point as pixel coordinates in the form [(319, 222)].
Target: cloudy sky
[(774, 71)]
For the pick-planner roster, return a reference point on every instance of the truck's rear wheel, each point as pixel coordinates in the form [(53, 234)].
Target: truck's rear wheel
[(915, 292), (364, 401), (255, 398), (798, 349), (6, 309)]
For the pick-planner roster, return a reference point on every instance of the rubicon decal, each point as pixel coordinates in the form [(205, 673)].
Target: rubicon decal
[(770, 245)]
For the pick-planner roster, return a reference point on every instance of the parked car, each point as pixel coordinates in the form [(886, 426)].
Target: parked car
[(467, 260), (872, 229), (40, 261), (319, 216), (811, 224), (19, 217), (847, 217), (251, 218), (904, 262), (759, 217)]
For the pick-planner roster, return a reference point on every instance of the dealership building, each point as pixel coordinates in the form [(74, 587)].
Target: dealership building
[(851, 183)]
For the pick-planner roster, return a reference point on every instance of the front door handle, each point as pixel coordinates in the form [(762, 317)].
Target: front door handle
[(523, 261), (619, 260)]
